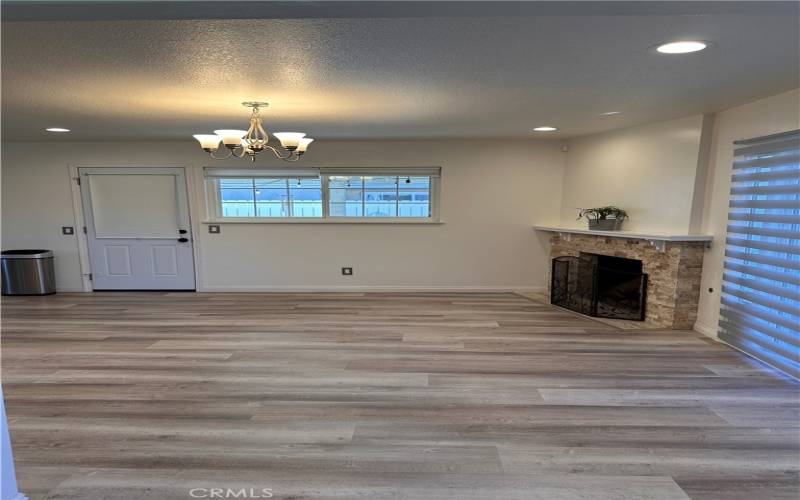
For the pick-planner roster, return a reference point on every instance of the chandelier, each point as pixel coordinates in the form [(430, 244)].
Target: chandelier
[(249, 143)]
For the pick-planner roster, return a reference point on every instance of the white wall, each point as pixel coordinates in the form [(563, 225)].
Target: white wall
[(764, 117), (492, 193), (648, 170)]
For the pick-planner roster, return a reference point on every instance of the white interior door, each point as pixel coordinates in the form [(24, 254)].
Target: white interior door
[(137, 226)]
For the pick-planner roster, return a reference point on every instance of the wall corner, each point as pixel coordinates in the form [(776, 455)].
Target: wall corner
[(702, 173)]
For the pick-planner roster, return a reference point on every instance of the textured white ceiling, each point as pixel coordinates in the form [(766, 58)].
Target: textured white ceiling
[(394, 77)]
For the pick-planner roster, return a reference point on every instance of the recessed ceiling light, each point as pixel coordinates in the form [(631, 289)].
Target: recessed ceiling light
[(682, 47), (610, 113), (57, 129), (545, 129)]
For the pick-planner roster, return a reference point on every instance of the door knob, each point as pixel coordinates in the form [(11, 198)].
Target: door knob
[(182, 231), (183, 240)]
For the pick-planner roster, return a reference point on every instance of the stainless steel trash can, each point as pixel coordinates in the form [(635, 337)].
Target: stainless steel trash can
[(28, 272)]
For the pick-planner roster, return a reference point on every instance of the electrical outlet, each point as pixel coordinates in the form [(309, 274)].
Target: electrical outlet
[(214, 229), (347, 271), (67, 230)]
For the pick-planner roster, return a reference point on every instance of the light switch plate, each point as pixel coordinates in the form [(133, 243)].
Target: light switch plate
[(67, 230), (214, 229), (347, 271)]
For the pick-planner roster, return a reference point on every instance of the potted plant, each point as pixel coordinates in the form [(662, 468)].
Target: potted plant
[(603, 218)]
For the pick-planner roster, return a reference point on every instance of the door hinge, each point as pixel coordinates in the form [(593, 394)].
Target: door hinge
[(84, 229), (77, 180), (91, 278)]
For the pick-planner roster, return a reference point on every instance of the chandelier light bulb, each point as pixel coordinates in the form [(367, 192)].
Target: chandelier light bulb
[(209, 142), (231, 138), (302, 144), (289, 140)]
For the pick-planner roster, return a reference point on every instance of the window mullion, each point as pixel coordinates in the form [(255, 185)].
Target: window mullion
[(255, 198), (216, 199), (434, 190), (363, 197), (325, 194), (397, 196), (288, 199)]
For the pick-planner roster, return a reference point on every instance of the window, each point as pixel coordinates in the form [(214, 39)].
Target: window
[(333, 194), (761, 281), (383, 196), (269, 197)]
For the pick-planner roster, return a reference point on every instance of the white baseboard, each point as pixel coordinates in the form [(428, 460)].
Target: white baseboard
[(706, 330), (367, 288)]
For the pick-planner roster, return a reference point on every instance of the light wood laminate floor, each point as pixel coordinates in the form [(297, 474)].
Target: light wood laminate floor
[(381, 396)]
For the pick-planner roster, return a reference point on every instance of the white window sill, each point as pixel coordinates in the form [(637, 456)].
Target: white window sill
[(417, 222)]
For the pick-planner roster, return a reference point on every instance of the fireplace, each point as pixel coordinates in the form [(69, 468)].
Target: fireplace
[(673, 271), (599, 285)]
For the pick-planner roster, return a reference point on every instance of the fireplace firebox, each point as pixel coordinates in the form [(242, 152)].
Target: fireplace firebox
[(599, 285)]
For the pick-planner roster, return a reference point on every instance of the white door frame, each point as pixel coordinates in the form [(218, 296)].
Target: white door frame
[(73, 178)]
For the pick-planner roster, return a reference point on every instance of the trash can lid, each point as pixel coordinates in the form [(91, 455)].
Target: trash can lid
[(26, 254)]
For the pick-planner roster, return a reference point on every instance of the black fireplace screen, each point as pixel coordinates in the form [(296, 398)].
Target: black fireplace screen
[(599, 285)]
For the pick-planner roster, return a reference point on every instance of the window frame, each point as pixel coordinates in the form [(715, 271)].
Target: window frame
[(433, 201), (214, 204)]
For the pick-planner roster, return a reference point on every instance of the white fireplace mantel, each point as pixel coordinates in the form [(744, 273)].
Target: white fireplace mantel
[(658, 240)]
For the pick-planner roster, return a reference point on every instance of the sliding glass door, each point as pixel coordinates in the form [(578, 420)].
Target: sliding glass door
[(761, 281)]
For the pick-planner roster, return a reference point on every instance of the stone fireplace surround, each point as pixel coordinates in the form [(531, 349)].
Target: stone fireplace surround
[(674, 269)]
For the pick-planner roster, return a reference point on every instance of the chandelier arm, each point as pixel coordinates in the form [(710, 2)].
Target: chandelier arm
[(288, 157), (250, 129), (264, 133)]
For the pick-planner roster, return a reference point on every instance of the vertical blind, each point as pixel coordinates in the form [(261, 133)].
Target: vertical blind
[(761, 281)]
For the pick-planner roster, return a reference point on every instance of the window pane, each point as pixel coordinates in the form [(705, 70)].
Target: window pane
[(383, 196), (380, 183), (414, 210), (380, 209), (339, 181), (414, 197), (306, 197), (415, 182), (264, 197), (345, 196), (272, 198), (236, 197), (345, 209), (380, 196)]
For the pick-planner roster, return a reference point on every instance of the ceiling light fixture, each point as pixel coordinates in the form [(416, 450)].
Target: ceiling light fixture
[(682, 47), (248, 143), (610, 113), (545, 129), (57, 129)]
